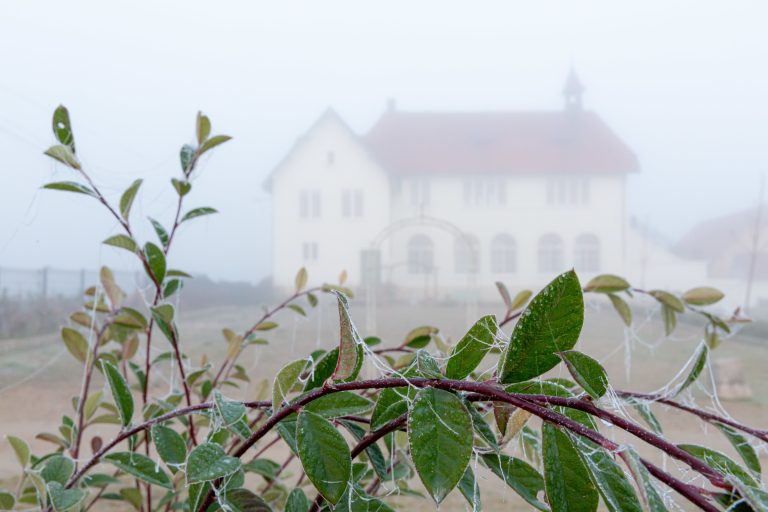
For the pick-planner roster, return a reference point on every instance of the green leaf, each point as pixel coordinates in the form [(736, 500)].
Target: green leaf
[(75, 343), (519, 475), (668, 299), (122, 242), (644, 410), (698, 366), (520, 300), (70, 186), (163, 316), (703, 296), (324, 454), (197, 493), (440, 436), (610, 480), (469, 488), (65, 499), (301, 279), (156, 261), (720, 462), (121, 393), (607, 283), (169, 445), (392, 403), (420, 337), (264, 467), (198, 212), (20, 448), (126, 201), (504, 292), (160, 231), (182, 187), (297, 501), (622, 308), (645, 483), (472, 348), (62, 127), (355, 499), (322, 369), (203, 127), (586, 371), (426, 366), (232, 415), (186, 156), (343, 403), (566, 478), (243, 500), (65, 155), (213, 142), (285, 379), (209, 461), (551, 323), (350, 345), (141, 467), (740, 443), (7, 500), (58, 469)]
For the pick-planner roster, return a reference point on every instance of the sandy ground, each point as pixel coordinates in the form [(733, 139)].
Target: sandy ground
[(38, 378)]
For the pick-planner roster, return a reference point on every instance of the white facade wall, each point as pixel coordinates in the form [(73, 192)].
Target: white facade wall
[(309, 168)]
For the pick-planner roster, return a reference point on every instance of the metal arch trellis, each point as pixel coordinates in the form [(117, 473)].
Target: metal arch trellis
[(399, 225)]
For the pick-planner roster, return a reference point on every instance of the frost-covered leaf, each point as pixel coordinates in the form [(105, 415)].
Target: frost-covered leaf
[(285, 379), (156, 261), (350, 345), (440, 436), (198, 212), (518, 475), (645, 483), (566, 478), (213, 142), (126, 200), (62, 127), (742, 446), (343, 403), (610, 480), (21, 449), (698, 366), (301, 279), (169, 445), (58, 469), (66, 156), (65, 499), (587, 372), (668, 300), (141, 467), (551, 323), (472, 348), (622, 308), (75, 342), (7, 500), (122, 242), (243, 500), (297, 501), (607, 283), (703, 296), (121, 393), (209, 461), (321, 370), (324, 454), (720, 462), (470, 489)]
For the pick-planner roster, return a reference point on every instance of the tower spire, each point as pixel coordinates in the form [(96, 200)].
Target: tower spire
[(573, 91)]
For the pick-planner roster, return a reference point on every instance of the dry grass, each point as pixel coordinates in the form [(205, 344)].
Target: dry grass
[(38, 379)]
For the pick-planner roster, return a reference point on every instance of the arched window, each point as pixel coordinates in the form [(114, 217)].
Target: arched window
[(420, 255), (466, 256), (503, 254), (586, 253), (550, 253)]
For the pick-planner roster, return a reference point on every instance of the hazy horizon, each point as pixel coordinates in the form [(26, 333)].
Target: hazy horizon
[(681, 83)]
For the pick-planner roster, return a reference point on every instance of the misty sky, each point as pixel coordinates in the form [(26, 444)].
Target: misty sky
[(683, 83)]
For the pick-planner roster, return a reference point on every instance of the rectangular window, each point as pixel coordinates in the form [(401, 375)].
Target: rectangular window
[(419, 193), (352, 203), (309, 251), (309, 204), (568, 191), (485, 192)]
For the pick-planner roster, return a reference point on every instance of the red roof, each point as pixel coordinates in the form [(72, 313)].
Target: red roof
[(571, 140)]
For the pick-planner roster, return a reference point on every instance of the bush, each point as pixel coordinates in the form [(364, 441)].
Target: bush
[(431, 410)]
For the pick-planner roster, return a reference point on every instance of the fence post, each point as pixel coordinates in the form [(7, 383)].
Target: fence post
[(44, 284)]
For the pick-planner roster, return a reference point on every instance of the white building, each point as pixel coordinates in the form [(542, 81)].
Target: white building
[(442, 203)]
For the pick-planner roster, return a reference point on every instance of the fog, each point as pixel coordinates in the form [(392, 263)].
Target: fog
[(682, 84)]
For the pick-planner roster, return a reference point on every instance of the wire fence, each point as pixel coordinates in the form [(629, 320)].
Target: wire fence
[(55, 283)]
